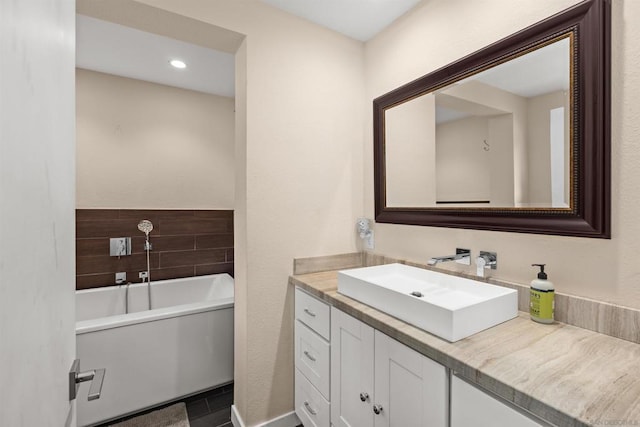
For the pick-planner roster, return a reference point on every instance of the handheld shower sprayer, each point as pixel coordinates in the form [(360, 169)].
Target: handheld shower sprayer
[(146, 226)]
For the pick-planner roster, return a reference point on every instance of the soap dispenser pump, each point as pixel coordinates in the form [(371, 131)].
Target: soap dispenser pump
[(542, 304)]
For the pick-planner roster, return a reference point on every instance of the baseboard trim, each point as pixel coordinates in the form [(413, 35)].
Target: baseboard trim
[(287, 420), (236, 420)]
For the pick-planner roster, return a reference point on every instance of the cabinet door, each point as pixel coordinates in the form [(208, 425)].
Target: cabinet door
[(410, 389), (351, 371), (472, 406)]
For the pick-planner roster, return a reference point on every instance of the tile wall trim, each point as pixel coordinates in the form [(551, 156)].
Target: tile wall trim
[(602, 317), (186, 243)]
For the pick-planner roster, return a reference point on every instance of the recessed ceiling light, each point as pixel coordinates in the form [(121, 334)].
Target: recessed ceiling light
[(177, 63)]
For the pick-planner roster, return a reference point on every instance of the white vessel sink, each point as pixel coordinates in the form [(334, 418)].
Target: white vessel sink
[(448, 306)]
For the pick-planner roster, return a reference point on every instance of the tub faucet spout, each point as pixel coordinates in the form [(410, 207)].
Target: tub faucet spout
[(462, 256)]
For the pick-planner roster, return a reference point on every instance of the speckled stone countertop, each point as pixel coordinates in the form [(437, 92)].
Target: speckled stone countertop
[(566, 375)]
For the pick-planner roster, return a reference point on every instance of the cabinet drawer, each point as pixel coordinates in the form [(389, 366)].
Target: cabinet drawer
[(312, 409), (312, 358), (313, 313)]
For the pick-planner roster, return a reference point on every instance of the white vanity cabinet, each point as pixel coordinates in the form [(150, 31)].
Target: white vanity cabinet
[(376, 381), (347, 374), (312, 360), (470, 406)]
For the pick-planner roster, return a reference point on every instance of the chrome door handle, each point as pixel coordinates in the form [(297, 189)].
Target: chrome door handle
[(377, 409), (76, 377), (364, 396), (309, 312), (96, 384), (306, 353), (309, 408)]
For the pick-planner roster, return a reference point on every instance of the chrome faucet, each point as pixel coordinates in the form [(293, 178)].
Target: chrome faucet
[(462, 256)]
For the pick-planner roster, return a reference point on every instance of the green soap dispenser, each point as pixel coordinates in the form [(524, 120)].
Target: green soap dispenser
[(542, 305)]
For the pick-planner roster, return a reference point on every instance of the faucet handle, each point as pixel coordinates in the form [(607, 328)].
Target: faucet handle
[(491, 258), (486, 260)]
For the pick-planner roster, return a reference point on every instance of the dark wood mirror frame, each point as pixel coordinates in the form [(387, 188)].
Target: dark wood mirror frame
[(589, 215)]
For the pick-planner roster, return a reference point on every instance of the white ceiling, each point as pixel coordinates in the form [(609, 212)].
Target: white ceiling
[(123, 51), (358, 19), (544, 70), (115, 49), (539, 72)]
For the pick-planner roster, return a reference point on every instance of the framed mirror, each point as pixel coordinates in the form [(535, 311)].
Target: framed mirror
[(514, 137)]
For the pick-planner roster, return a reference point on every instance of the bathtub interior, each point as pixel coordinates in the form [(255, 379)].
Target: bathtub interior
[(111, 301), (203, 288)]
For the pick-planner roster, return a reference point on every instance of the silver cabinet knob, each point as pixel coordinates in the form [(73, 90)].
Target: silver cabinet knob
[(377, 409), (364, 396)]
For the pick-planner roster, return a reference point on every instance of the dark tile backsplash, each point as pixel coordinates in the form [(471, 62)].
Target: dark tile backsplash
[(185, 243)]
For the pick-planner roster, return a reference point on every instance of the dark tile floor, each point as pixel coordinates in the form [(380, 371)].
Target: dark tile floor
[(211, 408)]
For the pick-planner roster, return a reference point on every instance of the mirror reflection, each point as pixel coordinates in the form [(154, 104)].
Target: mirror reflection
[(500, 138)]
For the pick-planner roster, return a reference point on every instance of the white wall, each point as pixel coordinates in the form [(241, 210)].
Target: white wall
[(241, 243), (506, 102), (143, 145), (502, 165), (540, 149), (37, 263), (601, 269), (412, 128), (463, 167)]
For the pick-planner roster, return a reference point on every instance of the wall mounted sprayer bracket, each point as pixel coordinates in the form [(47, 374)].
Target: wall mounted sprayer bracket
[(365, 232)]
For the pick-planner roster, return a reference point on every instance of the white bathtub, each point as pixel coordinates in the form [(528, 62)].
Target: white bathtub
[(182, 346)]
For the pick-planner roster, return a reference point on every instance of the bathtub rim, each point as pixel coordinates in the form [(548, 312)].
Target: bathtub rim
[(146, 316), (163, 282)]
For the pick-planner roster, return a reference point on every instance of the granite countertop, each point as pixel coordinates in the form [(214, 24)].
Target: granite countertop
[(566, 375)]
